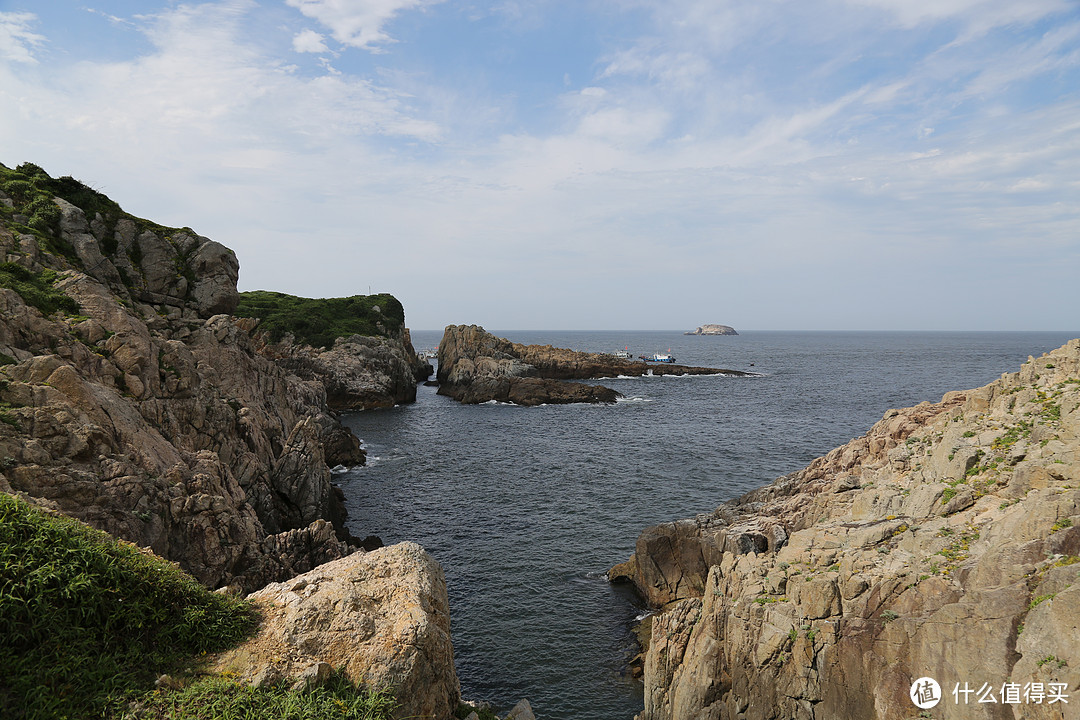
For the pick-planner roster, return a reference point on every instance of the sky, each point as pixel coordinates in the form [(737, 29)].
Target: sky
[(585, 164)]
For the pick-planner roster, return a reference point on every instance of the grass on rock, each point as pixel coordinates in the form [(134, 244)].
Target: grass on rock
[(36, 290)]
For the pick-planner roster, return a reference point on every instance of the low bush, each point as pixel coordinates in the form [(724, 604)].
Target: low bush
[(87, 621), (320, 321)]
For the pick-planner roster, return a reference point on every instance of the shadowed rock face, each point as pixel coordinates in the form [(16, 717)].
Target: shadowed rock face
[(943, 543), (382, 617), (160, 423), (476, 366), (358, 372)]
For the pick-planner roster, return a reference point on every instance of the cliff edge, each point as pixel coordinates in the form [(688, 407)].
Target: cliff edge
[(358, 347), (944, 543)]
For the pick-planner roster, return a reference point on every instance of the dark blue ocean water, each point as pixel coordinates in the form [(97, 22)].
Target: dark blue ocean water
[(526, 508)]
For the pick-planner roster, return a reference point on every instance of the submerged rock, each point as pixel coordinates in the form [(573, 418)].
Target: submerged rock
[(943, 543)]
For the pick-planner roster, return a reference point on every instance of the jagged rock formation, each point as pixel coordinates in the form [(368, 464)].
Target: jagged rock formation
[(713, 329), (382, 616), (359, 372), (943, 543), (143, 411), (475, 367)]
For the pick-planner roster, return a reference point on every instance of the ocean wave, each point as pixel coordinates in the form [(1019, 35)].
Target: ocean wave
[(632, 399)]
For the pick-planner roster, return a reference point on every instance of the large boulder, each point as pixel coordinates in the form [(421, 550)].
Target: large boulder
[(381, 616)]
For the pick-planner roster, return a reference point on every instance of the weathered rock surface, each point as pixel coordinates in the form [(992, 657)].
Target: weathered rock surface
[(713, 329), (160, 423), (382, 616), (476, 366), (358, 372), (943, 543)]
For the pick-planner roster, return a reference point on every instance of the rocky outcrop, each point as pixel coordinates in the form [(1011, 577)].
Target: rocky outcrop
[(943, 543), (476, 366), (713, 329), (381, 616), (359, 372), (150, 415)]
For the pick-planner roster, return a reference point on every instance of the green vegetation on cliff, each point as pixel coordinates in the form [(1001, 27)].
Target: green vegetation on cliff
[(87, 623), (86, 619), (36, 290), (31, 190), (320, 321)]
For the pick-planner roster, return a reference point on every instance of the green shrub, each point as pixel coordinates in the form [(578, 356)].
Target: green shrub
[(18, 190), (86, 620), (318, 322), (33, 190), (36, 290)]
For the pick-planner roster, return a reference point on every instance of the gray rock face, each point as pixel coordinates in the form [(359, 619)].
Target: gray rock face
[(358, 372), (382, 616), (943, 543), (180, 270), (216, 270), (159, 425)]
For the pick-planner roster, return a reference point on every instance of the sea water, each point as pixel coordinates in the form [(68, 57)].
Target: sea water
[(527, 508)]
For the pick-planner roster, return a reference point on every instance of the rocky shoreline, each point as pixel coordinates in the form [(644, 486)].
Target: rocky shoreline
[(476, 366), (943, 543)]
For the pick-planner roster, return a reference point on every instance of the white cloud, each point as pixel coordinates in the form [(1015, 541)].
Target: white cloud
[(309, 41), (358, 23), (978, 15), (17, 41)]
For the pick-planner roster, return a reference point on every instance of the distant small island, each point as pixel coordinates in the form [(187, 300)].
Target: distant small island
[(713, 330)]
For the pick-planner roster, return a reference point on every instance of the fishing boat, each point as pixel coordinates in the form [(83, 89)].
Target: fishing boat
[(659, 357)]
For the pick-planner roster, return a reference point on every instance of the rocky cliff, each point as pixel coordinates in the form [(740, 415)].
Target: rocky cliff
[(132, 402), (358, 348), (944, 543), (476, 366)]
